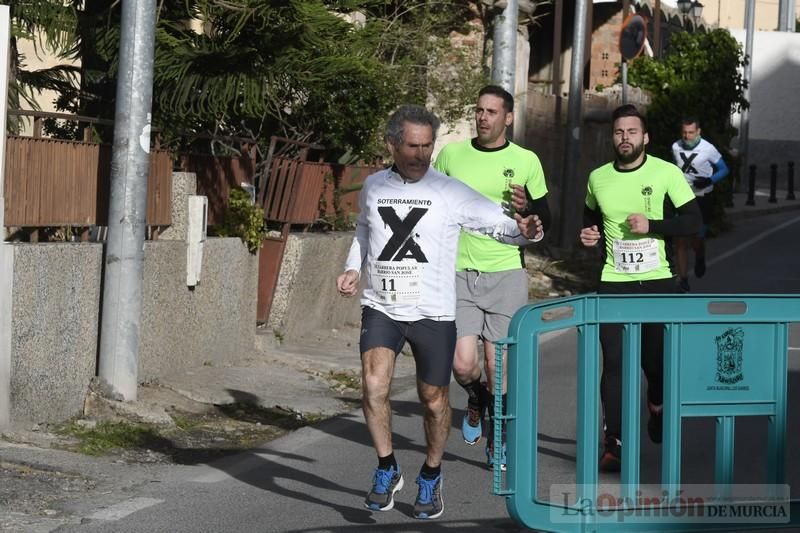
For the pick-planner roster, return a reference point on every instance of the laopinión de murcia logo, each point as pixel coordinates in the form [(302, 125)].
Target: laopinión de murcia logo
[(730, 348)]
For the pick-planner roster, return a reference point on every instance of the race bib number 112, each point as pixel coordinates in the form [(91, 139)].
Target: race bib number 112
[(635, 256)]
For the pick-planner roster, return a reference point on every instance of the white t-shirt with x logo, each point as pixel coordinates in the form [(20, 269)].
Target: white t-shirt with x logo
[(696, 163), (407, 237)]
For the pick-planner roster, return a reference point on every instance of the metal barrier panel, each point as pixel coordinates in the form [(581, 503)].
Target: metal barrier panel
[(725, 356)]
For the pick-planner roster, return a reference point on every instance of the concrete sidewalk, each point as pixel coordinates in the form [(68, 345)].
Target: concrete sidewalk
[(317, 376)]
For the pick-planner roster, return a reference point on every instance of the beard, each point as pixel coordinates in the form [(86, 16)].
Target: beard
[(630, 157)]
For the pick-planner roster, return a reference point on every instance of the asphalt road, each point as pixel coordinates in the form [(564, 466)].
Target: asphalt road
[(314, 480)]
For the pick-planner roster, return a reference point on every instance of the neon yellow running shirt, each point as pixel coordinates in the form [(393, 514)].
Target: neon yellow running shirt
[(491, 172), (618, 194)]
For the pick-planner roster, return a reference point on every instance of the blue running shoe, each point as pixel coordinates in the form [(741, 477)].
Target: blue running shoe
[(471, 428), (384, 484), (490, 455), (429, 502)]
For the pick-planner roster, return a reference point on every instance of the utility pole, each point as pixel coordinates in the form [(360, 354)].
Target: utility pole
[(6, 250), (786, 15), (624, 64), (5, 35), (124, 257), (744, 122), (504, 50), (570, 210)]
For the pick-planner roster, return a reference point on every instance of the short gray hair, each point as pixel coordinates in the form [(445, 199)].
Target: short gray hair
[(413, 114)]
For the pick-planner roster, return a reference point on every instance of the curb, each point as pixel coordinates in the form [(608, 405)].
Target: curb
[(750, 211)]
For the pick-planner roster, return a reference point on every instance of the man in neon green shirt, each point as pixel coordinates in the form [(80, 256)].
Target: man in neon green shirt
[(625, 209), (491, 280)]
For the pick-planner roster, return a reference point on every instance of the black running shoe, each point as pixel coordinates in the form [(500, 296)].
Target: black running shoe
[(683, 285), (611, 460), (700, 266)]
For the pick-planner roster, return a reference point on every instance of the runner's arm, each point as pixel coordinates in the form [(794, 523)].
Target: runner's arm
[(592, 217), (474, 212), (358, 249), (687, 222), (539, 208), (720, 170)]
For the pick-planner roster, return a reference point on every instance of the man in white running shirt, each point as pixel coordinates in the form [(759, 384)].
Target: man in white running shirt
[(702, 166), (405, 250)]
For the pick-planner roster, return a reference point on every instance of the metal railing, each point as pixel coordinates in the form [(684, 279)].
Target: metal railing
[(725, 356)]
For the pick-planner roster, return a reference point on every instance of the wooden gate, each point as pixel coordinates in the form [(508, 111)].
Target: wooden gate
[(291, 195)]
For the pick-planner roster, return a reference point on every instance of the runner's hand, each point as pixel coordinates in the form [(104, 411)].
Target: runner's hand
[(702, 183), (347, 283), (638, 223), (530, 226), (590, 236), (519, 200)]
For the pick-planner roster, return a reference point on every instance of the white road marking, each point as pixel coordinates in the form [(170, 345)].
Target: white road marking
[(752, 241), (123, 509)]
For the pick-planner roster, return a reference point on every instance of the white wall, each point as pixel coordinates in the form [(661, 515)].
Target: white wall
[(774, 99), (775, 88)]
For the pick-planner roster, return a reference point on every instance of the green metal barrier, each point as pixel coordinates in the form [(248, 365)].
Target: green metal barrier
[(725, 356)]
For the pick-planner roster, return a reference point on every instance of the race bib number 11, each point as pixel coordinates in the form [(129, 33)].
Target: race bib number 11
[(397, 281), (635, 256)]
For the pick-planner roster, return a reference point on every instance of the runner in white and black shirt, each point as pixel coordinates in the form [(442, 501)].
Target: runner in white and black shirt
[(702, 166), (405, 247)]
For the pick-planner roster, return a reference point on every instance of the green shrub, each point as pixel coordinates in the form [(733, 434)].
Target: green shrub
[(243, 220)]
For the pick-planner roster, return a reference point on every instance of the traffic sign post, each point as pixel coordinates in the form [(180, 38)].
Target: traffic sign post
[(632, 38)]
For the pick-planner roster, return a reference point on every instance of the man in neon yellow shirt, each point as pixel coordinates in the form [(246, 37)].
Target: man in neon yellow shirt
[(491, 280), (625, 209)]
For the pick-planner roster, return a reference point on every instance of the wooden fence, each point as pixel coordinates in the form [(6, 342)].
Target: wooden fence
[(340, 192), (52, 182), (216, 176), (303, 192)]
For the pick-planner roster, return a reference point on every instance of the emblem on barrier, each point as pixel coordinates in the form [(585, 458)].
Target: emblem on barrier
[(729, 356)]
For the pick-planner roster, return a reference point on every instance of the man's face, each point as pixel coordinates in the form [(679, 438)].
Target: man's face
[(689, 132), (491, 120), (629, 139), (412, 155)]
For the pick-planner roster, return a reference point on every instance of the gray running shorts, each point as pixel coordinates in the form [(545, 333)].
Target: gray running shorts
[(486, 301), (433, 342)]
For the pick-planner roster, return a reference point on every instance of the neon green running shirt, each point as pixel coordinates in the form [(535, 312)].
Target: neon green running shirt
[(491, 172), (618, 194)]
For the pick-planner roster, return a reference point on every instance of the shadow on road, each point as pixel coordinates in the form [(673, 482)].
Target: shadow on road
[(475, 526)]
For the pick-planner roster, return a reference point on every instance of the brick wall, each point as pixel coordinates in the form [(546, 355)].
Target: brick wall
[(605, 60)]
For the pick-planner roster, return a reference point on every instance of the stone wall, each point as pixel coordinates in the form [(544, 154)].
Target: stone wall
[(55, 316), (210, 324), (51, 317), (306, 299)]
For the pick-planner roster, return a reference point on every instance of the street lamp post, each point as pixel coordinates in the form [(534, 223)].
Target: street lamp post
[(694, 8), (697, 12)]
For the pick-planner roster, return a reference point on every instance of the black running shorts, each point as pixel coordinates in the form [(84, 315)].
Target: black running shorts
[(433, 342), (706, 204)]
